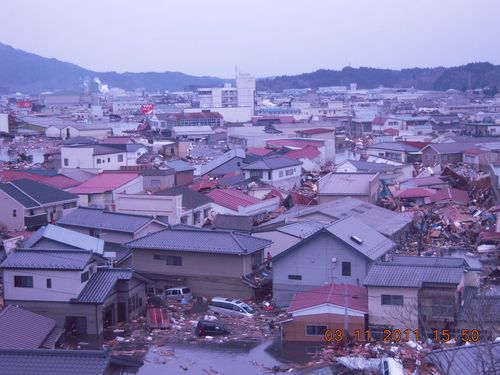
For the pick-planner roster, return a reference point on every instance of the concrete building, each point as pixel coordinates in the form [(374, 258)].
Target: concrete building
[(278, 171)]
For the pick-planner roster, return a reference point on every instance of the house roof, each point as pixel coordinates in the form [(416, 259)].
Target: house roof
[(233, 222), (104, 182), (467, 359), (416, 192), (200, 240), (190, 198), (362, 237), (272, 162), (367, 166), (66, 236), (102, 283), (293, 143), (222, 159), (22, 329), (346, 183), (53, 362), (179, 165), (314, 131), (394, 146), (260, 151), (57, 181), (309, 152), (32, 194), (413, 273), (448, 148), (426, 181), (48, 259), (333, 294), (301, 229), (232, 198), (479, 307), (100, 219), (455, 195)]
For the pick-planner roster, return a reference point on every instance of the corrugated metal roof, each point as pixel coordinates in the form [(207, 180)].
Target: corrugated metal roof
[(22, 329), (468, 360), (102, 283), (346, 183), (100, 219), (179, 165), (272, 162), (47, 259), (54, 362), (198, 240), (67, 236), (362, 237)]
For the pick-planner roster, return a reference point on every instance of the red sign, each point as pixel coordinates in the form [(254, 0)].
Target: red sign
[(24, 104), (147, 109)]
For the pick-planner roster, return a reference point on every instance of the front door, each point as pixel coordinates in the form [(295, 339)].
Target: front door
[(122, 311)]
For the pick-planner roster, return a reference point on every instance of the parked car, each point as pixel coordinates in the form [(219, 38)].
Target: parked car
[(178, 294), (228, 306), (210, 328)]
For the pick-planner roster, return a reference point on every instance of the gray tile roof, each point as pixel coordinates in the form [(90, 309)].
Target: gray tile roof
[(478, 307), (22, 329), (272, 162), (179, 165), (449, 148), (301, 229), (102, 283), (367, 166), (429, 261), (54, 362), (222, 159), (394, 146), (48, 259), (373, 244), (33, 194), (467, 360), (205, 241), (190, 198), (100, 219), (233, 222), (400, 275)]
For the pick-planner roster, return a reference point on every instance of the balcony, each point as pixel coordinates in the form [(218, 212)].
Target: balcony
[(35, 221)]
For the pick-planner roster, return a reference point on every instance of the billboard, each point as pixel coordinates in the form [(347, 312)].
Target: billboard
[(147, 109), (24, 104)]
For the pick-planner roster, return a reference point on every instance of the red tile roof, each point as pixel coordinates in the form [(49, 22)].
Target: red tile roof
[(391, 131), (259, 151), (232, 198), (204, 183), (419, 145), (474, 151), (301, 199), (455, 195), (197, 115), (59, 181), (104, 182), (333, 294), (309, 152), (379, 120), (417, 192), (294, 143), (427, 181)]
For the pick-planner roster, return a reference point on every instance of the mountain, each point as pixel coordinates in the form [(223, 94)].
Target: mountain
[(474, 75), (30, 73)]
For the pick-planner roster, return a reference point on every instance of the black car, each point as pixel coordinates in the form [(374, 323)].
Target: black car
[(209, 328)]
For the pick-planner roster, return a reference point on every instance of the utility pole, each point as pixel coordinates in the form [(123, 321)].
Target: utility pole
[(346, 315)]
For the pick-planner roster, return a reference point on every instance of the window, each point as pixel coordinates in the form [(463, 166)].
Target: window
[(95, 233), (389, 299), (32, 212), (197, 217), (294, 277), (84, 276), (174, 260), (109, 160), (69, 205), (14, 213), (346, 268), (120, 158), (66, 162), (315, 330), (23, 281), (281, 174), (289, 172), (98, 161), (49, 283), (184, 220), (269, 175), (256, 174), (158, 257)]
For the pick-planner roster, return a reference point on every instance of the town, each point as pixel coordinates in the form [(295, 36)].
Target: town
[(231, 228)]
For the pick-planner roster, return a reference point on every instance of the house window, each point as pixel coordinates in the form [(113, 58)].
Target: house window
[(109, 160), (159, 257), (390, 299), (269, 175), (14, 213), (120, 158), (197, 217), (205, 213), (346, 268), (98, 161), (95, 233), (289, 172), (23, 281), (281, 174), (69, 205), (315, 330), (84, 276), (32, 212), (184, 220), (49, 283), (66, 162), (174, 260), (294, 277), (256, 174)]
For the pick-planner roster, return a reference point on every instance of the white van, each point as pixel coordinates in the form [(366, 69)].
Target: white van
[(178, 294), (228, 306)]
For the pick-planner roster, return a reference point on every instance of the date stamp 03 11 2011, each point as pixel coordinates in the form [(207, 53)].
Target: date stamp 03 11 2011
[(397, 335)]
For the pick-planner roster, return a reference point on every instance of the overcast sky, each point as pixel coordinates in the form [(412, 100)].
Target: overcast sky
[(263, 37)]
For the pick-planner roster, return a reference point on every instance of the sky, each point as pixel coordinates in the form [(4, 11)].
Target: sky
[(262, 37)]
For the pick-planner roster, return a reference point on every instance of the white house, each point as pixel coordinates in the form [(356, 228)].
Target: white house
[(278, 171)]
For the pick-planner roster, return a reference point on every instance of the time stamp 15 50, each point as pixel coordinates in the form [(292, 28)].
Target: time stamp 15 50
[(402, 335)]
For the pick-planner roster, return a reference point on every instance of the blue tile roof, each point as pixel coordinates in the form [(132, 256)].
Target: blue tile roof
[(102, 283), (48, 259)]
